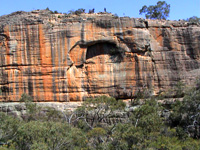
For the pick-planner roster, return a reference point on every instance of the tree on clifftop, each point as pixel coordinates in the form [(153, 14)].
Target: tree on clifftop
[(193, 19), (159, 11)]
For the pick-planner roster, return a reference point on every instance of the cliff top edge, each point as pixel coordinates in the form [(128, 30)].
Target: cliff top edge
[(47, 16)]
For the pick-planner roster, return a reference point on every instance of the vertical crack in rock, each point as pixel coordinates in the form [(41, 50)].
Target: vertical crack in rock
[(137, 72), (83, 32)]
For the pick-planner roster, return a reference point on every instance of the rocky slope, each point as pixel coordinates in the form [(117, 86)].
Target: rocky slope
[(57, 57)]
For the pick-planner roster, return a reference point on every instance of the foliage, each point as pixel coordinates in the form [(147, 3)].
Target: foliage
[(54, 135), (55, 12), (186, 114), (47, 9), (115, 16), (91, 125), (159, 11), (91, 11), (32, 109), (98, 109), (193, 19), (179, 89), (8, 127), (71, 12), (148, 116), (126, 136), (96, 137), (26, 98), (77, 12), (80, 11)]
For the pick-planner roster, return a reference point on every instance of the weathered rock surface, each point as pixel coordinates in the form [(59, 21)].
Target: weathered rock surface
[(55, 57), (19, 108)]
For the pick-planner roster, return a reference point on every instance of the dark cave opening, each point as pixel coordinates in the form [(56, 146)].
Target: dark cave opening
[(105, 48)]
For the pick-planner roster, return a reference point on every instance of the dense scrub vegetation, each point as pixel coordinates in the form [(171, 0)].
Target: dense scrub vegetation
[(106, 123)]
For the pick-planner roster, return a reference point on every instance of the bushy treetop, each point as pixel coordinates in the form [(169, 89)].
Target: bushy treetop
[(159, 11)]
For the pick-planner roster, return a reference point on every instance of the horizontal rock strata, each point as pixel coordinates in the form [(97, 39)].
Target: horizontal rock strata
[(62, 58)]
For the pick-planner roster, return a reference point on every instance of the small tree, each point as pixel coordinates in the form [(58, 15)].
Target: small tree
[(193, 19), (48, 9), (94, 111), (55, 12), (159, 11), (91, 11), (80, 11)]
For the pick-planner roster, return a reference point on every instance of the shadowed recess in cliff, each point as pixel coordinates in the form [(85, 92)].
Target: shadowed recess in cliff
[(166, 38), (2, 36), (105, 48), (191, 43)]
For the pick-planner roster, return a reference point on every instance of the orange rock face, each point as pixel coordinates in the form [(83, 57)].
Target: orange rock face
[(66, 58)]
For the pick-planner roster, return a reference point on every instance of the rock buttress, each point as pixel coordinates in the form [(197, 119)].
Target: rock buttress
[(61, 59)]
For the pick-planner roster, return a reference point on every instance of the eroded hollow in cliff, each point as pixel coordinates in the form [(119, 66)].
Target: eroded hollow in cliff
[(102, 49), (104, 69)]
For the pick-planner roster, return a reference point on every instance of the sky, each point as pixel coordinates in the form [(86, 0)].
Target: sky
[(179, 9)]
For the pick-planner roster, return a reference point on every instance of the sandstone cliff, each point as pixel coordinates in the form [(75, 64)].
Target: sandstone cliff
[(57, 57)]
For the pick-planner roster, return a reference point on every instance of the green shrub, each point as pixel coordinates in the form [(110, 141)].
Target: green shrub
[(80, 11), (26, 98), (55, 12)]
